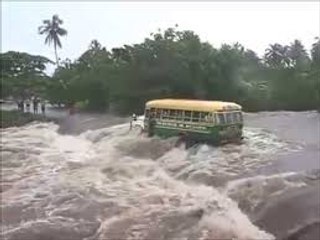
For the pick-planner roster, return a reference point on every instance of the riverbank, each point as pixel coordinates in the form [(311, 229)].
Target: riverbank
[(77, 123), (13, 118)]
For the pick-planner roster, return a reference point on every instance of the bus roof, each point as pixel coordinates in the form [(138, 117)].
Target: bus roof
[(193, 105)]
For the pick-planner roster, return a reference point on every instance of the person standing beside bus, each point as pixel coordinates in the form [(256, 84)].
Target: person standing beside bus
[(133, 119)]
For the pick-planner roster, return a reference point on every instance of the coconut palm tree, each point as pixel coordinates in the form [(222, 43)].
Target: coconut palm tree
[(297, 53), (277, 55), (53, 31), (315, 51)]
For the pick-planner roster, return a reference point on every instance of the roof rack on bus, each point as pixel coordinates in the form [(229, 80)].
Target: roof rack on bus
[(193, 105)]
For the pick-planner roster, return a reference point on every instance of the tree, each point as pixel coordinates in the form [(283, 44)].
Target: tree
[(22, 74), (86, 80), (315, 52), (177, 64), (276, 56), (297, 54), (314, 74), (53, 31)]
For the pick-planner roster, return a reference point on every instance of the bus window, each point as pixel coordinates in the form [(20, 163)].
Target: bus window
[(212, 118), (172, 114), (187, 116), (152, 112), (179, 115), (205, 117), (240, 117), (221, 119), (202, 117), (195, 116), (216, 118), (229, 117), (237, 117), (158, 113), (165, 114), (147, 113)]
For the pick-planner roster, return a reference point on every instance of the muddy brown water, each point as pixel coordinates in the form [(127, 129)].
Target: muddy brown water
[(92, 178)]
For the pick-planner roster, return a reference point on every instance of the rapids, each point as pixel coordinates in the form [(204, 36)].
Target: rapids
[(110, 183)]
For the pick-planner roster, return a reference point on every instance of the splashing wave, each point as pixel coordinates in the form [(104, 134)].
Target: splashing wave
[(112, 184)]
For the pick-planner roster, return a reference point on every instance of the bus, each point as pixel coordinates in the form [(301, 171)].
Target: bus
[(212, 122)]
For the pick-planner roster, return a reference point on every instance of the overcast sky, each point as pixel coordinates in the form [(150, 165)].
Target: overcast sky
[(253, 24)]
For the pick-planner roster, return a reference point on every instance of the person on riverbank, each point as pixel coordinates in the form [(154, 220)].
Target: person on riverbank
[(72, 108), (133, 118), (35, 105), (28, 105), (43, 107), (20, 105)]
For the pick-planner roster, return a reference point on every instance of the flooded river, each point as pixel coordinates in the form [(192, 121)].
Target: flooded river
[(91, 178)]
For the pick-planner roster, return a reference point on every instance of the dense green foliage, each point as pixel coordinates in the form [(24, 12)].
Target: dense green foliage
[(23, 74), (178, 64)]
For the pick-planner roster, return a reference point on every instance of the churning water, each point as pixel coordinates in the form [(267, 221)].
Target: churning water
[(114, 184)]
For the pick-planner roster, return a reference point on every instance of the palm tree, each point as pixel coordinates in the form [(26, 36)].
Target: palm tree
[(297, 53), (53, 32), (315, 51), (277, 55)]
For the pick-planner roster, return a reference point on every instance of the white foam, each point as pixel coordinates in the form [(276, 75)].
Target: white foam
[(104, 160), (255, 190)]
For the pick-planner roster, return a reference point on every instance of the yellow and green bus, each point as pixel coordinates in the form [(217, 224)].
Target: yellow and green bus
[(195, 120)]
